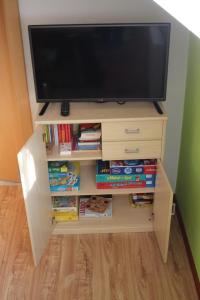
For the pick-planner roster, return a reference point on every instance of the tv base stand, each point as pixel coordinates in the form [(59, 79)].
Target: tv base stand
[(44, 108), (158, 108)]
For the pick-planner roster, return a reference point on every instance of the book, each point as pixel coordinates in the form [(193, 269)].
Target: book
[(93, 143), (56, 134), (89, 131), (88, 147), (65, 148), (65, 208), (95, 206)]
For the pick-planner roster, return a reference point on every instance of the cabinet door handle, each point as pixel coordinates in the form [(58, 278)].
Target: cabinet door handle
[(133, 150), (132, 130)]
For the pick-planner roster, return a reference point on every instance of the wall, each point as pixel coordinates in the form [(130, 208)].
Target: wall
[(188, 183), (95, 11)]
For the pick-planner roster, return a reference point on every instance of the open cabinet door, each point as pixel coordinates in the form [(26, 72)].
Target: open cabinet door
[(35, 185), (162, 211)]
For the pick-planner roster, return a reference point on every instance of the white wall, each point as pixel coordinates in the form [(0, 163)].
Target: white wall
[(105, 11)]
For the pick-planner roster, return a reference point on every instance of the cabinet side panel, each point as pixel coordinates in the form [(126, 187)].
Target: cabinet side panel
[(162, 211), (34, 178)]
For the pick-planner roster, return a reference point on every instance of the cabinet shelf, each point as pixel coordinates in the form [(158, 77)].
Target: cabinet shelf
[(125, 219), (88, 185), (54, 155)]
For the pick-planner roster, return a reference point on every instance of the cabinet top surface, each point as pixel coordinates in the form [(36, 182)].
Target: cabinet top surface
[(101, 112)]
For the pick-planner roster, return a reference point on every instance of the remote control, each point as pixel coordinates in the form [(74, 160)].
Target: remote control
[(64, 108)]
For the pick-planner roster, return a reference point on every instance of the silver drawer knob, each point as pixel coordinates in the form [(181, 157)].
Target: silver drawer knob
[(133, 150), (132, 130)]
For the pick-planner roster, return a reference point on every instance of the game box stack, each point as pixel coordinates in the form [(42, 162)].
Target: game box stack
[(65, 208), (64, 176), (141, 199), (126, 174), (95, 206), (89, 137)]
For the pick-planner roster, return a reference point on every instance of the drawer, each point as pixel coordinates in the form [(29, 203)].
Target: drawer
[(134, 130), (131, 150)]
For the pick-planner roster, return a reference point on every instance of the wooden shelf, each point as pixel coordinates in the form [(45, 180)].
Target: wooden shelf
[(125, 219), (88, 185), (53, 155), (91, 112)]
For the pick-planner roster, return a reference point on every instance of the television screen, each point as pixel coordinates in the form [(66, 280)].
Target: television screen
[(113, 62)]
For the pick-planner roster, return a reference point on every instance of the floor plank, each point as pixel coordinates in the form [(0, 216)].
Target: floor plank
[(125, 266)]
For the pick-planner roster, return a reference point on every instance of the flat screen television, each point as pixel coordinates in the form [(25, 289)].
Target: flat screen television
[(100, 62)]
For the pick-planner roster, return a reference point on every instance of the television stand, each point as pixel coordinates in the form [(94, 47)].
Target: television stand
[(64, 110), (158, 108), (44, 108)]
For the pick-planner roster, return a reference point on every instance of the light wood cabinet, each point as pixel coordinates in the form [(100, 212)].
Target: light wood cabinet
[(145, 123)]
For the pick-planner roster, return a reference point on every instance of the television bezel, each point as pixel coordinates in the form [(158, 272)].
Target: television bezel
[(97, 99)]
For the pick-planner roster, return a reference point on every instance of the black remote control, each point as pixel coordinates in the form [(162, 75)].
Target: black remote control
[(64, 108)]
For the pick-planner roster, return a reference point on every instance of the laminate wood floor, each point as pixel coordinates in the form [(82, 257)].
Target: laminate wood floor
[(88, 267)]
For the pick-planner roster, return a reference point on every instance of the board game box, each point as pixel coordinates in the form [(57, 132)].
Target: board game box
[(65, 208), (141, 199), (126, 184), (69, 180), (137, 166), (121, 178), (95, 206)]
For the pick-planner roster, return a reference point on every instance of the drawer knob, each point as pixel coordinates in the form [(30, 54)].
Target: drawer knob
[(132, 130), (133, 150)]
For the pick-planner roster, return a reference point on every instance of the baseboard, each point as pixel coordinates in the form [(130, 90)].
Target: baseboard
[(188, 249)]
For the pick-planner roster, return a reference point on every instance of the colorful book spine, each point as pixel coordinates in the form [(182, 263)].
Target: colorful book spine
[(59, 133), (56, 134), (62, 126), (47, 134)]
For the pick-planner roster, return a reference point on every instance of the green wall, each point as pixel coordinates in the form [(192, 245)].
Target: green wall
[(188, 182)]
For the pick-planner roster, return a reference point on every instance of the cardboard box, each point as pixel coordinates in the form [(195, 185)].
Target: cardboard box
[(138, 166)]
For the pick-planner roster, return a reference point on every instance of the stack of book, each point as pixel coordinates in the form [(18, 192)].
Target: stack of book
[(65, 208), (95, 206), (125, 174), (59, 135), (64, 176), (141, 199), (89, 137)]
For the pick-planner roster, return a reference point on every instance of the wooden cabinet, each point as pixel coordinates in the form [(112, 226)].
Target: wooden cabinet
[(129, 131)]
